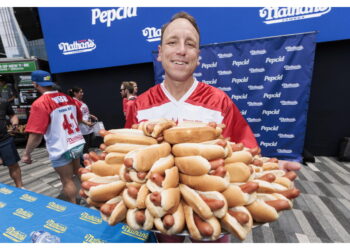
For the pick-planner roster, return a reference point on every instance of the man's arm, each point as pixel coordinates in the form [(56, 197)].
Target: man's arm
[(33, 141)]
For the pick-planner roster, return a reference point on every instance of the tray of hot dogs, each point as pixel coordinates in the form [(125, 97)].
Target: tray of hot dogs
[(184, 179)]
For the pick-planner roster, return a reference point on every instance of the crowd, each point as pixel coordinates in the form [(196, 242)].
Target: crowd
[(64, 120)]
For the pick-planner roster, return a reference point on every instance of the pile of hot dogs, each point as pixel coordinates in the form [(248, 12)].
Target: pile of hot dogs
[(170, 177)]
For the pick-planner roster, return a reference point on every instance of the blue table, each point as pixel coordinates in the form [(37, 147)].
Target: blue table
[(23, 211)]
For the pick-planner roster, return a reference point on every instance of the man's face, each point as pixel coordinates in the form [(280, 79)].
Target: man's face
[(123, 92), (179, 50)]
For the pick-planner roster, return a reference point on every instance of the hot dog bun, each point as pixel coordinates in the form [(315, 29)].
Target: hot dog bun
[(205, 204), (113, 211), (173, 225), (191, 132), (155, 128), (134, 196), (143, 159), (239, 156), (206, 182), (124, 135), (102, 168), (107, 190), (238, 222), (193, 165), (236, 197), (115, 158), (195, 229), (132, 215), (161, 165), (123, 147), (208, 151), (239, 172), (169, 200)]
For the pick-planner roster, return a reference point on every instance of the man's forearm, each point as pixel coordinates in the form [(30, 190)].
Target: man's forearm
[(33, 141)]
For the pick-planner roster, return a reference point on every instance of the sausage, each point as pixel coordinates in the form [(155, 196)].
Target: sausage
[(214, 164), (160, 139), (168, 221), (156, 198), (213, 203), (135, 126), (249, 187), (88, 184), (255, 151), (107, 209), (274, 160), (291, 175), (140, 217), (241, 217), (102, 156), (103, 132), (141, 175), (258, 162), (212, 124), (290, 193), (279, 205), (94, 156), (220, 171), (204, 227), (103, 146), (150, 127), (132, 191), (251, 169), (83, 171), (128, 162), (157, 179), (268, 177), (237, 147), (82, 193), (127, 177), (221, 143), (87, 163)]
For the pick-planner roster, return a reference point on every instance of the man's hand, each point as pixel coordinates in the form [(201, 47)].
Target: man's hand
[(289, 165), (26, 159)]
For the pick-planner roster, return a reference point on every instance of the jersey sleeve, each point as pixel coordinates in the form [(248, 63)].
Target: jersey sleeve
[(38, 121), (237, 128)]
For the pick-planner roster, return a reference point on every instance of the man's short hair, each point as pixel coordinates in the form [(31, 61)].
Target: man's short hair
[(178, 15)]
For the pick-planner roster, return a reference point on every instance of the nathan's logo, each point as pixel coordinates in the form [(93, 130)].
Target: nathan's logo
[(289, 103), (284, 151), (109, 16), (211, 82), (20, 212), (288, 136), (2, 204), (89, 238), (287, 14), (27, 197), (253, 119), (76, 47), (224, 72), (227, 89), (255, 87), (5, 191), (287, 119), (254, 104), (292, 67), (153, 34), (239, 97), (14, 235), (225, 55), (294, 48), (257, 52), (54, 206), (56, 227), (256, 70), (134, 233), (290, 85), (90, 218)]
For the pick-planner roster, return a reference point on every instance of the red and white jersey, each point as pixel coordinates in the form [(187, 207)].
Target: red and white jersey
[(85, 129), (56, 116), (201, 103)]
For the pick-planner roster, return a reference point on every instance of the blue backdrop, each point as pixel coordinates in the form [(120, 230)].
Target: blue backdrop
[(89, 38), (269, 80)]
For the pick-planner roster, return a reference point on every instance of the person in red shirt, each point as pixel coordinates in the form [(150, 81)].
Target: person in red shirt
[(128, 91), (180, 97), (56, 117)]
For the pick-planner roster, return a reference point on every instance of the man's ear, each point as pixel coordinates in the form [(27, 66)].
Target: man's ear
[(159, 59)]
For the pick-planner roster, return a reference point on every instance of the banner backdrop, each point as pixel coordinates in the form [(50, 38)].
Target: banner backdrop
[(269, 80)]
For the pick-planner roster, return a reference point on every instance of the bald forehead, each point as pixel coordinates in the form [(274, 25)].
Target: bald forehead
[(181, 26)]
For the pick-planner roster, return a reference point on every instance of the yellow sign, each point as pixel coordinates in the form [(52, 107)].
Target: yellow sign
[(15, 235), (90, 218), (54, 206), (27, 197), (134, 233), (56, 227), (89, 238), (5, 191), (23, 213)]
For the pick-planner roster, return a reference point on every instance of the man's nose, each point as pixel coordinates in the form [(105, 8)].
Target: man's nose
[(181, 48)]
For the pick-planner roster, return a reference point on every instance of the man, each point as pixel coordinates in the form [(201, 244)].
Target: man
[(130, 89), (55, 116), (8, 152), (6, 92), (181, 97)]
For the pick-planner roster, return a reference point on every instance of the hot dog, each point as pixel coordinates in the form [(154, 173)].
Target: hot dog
[(143, 159), (139, 219), (155, 128), (238, 222), (160, 203), (266, 207), (135, 196), (158, 181), (200, 229), (130, 175), (239, 156), (171, 223), (193, 165), (115, 158), (207, 182), (123, 148), (124, 135), (205, 204), (113, 211), (239, 172), (106, 188), (209, 150), (240, 194), (191, 132), (102, 168)]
